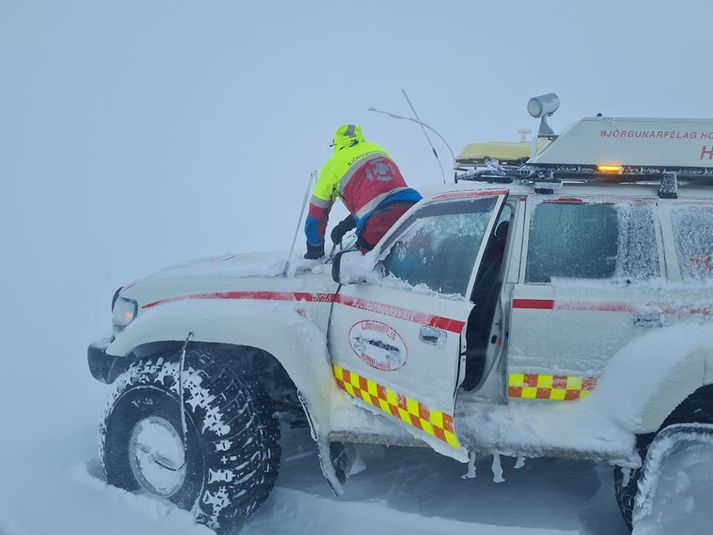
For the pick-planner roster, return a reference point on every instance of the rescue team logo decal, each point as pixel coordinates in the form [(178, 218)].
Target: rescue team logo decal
[(378, 345), (435, 423), (550, 387)]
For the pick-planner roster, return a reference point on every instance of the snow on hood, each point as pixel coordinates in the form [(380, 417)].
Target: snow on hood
[(230, 265)]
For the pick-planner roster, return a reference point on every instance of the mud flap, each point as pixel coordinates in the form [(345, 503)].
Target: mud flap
[(329, 470), (345, 459)]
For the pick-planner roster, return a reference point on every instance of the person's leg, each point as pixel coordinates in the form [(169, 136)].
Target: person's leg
[(378, 225)]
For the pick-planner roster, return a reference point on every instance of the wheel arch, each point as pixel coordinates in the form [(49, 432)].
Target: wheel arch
[(677, 391), (697, 407), (645, 382), (244, 334)]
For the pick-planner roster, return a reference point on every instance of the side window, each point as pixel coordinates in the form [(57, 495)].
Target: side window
[(693, 233), (591, 241), (437, 246)]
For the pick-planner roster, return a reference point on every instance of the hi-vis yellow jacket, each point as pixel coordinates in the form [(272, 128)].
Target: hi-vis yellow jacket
[(363, 175)]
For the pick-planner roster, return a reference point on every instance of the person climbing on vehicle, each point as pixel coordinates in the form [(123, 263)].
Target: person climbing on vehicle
[(369, 183)]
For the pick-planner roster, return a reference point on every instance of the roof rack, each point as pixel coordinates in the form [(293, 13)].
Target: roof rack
[(667, 152), (546, 178)]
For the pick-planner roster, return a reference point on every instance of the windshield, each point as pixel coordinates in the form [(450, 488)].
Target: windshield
[(438, 245)]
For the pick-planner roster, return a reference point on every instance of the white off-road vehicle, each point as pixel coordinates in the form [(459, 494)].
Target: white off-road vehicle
[(558, 307)]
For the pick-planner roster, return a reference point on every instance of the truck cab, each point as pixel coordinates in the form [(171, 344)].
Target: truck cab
[(556, 306)]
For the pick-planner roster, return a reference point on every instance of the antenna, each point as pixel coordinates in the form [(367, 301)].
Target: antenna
[(425, 134), (424, 125)]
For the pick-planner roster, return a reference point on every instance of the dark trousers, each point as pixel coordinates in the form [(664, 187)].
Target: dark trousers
[(379, 224)]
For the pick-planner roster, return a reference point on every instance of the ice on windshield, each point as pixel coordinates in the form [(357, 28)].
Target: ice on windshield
[(592, 241), (693, 233), (439, 246)]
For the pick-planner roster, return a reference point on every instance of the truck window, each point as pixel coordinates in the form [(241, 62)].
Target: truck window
[(591, 241), (693, 234), (438, 245)]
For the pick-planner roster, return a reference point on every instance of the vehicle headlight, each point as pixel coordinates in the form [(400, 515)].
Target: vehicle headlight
[(123, 312)]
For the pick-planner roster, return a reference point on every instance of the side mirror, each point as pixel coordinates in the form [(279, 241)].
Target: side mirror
[(350, 267)]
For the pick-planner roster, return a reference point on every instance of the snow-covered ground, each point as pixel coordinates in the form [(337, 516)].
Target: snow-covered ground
[(55, 487), (50, 481), (138, 134)]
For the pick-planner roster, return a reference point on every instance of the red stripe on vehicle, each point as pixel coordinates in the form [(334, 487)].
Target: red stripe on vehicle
[(608, 200), (690, 310), (597, 307), (467, 194), (259, 295), (567, 200), (447, 324), (440, 322), (536, 304), (549, 304)]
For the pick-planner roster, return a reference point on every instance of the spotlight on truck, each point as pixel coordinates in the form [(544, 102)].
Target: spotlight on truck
[(542, 107)]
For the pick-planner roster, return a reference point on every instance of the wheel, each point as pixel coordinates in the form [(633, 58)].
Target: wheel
[(696, 409), (221, 466), (676, 484)]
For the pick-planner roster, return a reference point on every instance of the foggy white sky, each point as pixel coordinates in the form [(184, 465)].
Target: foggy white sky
[(134, 134)]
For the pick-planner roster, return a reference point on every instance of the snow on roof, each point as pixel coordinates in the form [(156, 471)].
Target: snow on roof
[(633, 142)]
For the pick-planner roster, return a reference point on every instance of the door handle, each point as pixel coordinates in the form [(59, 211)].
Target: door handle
[(648, 319), (432, 335)]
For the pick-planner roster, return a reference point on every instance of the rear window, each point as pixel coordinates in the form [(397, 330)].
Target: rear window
[(591, 241), (693, 233)]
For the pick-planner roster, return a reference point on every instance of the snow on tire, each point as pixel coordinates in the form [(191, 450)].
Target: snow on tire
[(698, 411), (676, 484), (227, 464)]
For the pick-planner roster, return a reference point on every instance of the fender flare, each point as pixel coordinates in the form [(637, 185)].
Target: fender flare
[(647, 379), (280, 329)]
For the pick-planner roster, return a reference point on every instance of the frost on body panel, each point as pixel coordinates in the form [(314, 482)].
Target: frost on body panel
[(590, 258), (593, 239), (605, 423)]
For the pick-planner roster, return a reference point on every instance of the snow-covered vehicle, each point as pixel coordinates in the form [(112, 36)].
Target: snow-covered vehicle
[(560, 308)]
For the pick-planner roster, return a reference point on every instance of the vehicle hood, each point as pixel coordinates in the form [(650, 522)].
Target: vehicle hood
[(224, 275), (231, 265)]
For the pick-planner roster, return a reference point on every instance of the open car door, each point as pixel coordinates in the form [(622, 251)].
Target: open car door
[(397, 341)]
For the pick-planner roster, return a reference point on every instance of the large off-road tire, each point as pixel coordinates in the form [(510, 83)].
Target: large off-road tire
[(698, 409), (675, 487), (227, 464)]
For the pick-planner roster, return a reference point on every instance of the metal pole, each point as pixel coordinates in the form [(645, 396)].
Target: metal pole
[(312, 176)]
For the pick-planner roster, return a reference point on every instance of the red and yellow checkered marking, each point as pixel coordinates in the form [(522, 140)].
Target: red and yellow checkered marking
[(551, 387), (435, 423)]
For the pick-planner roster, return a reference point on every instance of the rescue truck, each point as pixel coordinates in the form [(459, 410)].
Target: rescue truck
[(556, 301)]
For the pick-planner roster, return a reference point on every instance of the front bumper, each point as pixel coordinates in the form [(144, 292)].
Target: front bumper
[(103, 367)]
